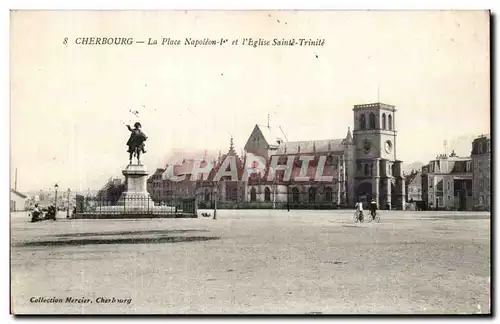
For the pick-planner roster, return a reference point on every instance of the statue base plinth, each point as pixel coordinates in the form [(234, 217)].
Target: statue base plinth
[(136, 193)]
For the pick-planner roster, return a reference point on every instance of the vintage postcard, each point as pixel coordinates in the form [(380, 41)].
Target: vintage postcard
[(250, 162)]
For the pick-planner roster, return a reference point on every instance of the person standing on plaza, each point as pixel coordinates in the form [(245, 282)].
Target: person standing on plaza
[(373, 209), (359, 209)]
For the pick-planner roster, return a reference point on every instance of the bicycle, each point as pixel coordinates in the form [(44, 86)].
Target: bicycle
[(375, 219), (358, 216)]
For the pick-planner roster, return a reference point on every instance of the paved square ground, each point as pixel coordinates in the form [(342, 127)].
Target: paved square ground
[(255, 261)]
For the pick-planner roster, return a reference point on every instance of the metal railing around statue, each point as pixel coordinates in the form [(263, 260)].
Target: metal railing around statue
[(140, 206)]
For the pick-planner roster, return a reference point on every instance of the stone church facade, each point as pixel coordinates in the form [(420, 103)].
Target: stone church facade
[(362, 166)]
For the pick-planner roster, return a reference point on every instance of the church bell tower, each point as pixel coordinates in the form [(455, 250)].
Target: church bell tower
[(378, 173)]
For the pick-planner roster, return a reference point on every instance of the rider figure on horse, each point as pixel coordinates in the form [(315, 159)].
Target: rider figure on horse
[(136, 141)]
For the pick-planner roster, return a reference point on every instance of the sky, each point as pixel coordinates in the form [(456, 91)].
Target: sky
[(70, 103)]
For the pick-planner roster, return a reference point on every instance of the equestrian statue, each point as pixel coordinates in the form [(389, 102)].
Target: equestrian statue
[(136, 142)]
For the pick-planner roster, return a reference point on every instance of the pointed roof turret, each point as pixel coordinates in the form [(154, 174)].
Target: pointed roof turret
[(348, 138), (231, 147)]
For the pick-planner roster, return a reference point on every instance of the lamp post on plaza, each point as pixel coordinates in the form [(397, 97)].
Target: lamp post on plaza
[(56, 186), (67, 211), (288, 197), (215, 199), (274, 193), (55, 200)]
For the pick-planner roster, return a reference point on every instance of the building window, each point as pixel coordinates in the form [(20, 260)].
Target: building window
[(267, 194), (367, 170), (372, 121), (362, 122), (439, 201), (449, 185), (393, 167), (253, 194), (468, 166), (312, 194), (383, 121), (329, 194), (207, 195), (389, 119)]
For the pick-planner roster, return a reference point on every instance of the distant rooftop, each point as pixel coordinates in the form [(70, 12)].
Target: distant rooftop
[(14, 191), (327, 145)]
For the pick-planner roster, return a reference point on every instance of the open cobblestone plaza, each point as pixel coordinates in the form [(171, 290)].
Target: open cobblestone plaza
[(255, 262)]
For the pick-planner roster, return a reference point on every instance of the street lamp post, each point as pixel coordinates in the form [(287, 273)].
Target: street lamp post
[(215, 200), (67, 211), (55, 200), (274, 193), (288, 197)]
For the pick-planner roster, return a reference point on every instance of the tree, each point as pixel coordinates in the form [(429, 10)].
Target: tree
[(113, 193)]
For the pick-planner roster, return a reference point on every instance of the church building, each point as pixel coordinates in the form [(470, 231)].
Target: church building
[(362, 166)]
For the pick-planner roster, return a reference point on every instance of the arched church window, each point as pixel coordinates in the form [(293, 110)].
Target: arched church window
[(362, 122), (372, 121), (295, 195), (383, 121), (329, 194), (312, 194), (253, 194), (267, 194), (389, 118)]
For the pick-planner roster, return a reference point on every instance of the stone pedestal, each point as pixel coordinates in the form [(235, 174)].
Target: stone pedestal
[(136, 194)]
